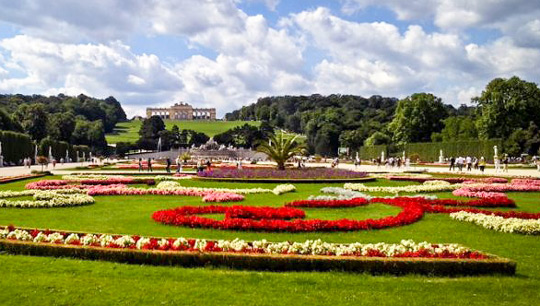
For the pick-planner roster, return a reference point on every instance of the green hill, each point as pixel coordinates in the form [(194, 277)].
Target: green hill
[(128, 131)]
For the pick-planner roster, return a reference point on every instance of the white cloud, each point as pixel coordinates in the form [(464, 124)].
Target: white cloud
[(83, 47), (100, 70)]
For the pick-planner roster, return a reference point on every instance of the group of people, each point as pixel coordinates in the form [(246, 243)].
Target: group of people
[(392, 162), (470, 163), (27, 162)]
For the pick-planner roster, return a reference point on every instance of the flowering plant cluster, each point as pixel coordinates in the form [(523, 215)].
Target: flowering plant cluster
[(187, 216), (279, 189), (207, 196), (283, 188), (406, 248), (501, 224), (413, 209), (85, 183), (310, 173), (465, 192), (430, 187), (346, 194), (45, 199), (259, 213)]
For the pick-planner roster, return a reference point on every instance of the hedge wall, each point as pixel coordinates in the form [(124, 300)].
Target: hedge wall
[(16, 146), (58, 149), (370, 152), (429, 151)]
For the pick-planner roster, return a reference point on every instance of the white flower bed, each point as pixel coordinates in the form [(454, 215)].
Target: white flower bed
[(506, 225), (284, 188), (431, 187), (347, 194), (280, 189), (309, 247), (46, 199)]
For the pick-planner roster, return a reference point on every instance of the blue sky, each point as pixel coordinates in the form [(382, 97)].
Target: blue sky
[(227, 53)]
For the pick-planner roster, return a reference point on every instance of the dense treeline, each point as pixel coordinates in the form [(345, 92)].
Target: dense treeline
[(80, 120), (508, 109), (327, 121)]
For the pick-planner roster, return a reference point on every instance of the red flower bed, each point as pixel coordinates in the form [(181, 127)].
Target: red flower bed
[(279, 219), (258, 213), (186, 216)]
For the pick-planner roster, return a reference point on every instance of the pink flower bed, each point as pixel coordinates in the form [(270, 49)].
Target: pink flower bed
[(208, 196), (465, 192), (84, 184)]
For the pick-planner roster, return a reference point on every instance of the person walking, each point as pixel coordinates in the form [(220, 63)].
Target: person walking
[(140, 165), (482, 164), (149, 162), (468, 161), (505, 163), (452, 163), (208, 165), (168, 168), (178, 164)]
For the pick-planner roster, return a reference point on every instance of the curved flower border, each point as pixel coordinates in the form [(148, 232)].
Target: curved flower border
[(406, 248)]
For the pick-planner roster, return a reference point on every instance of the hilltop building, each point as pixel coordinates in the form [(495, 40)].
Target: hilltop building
[(182, 111)]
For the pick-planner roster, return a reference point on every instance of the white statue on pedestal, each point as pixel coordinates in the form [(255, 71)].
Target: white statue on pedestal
[(441, 157)]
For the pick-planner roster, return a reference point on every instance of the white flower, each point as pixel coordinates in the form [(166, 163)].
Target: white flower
[(507, 225)]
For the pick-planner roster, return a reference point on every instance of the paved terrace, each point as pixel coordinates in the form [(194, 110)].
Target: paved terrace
[(62, 169)]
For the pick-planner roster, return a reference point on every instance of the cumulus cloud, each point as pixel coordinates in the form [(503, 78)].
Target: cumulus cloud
[(100, 70), (83, 47)]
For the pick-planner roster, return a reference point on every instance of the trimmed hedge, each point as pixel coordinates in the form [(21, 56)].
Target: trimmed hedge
[(58, 149), (373, 265), (16, 146), (429, 151), (371, 152)]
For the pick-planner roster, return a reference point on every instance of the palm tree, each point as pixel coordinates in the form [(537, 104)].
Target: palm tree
[(280, 149)]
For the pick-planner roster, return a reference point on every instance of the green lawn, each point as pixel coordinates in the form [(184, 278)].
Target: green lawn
[(35, 280), (128, 131)]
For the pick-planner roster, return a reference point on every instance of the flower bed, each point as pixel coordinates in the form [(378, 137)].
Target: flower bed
[(432, 186), (309, 173), (13, 178), (45, 199), (280, 189), (501, 224), (413, 209), (187, 216), (85, 183), (207, 196), (405, 257)]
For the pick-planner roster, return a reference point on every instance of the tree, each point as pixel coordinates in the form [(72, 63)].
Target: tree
[(458, 128), (33, 119), (507, 105), (89, 133), (175, 134), (377, 138), (416, 117), (8, 124), (149, 132), (280, 149), (61, 126)]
